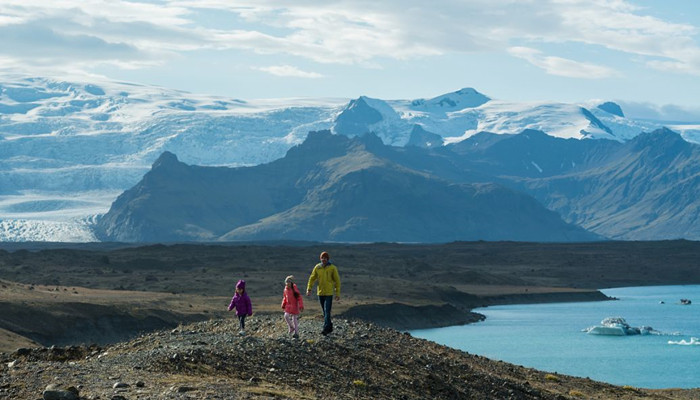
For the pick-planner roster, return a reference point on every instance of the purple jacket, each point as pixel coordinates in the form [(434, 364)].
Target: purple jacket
[(241, 301)]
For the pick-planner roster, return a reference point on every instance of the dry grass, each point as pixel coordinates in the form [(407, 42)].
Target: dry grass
[(10, 341)]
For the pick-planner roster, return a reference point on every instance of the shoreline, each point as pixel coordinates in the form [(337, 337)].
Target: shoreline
[(404, 317), (676, 320)]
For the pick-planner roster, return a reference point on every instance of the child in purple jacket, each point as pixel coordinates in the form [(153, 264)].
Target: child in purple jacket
[(241, 302)]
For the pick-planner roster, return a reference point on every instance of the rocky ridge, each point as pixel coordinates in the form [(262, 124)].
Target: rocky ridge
[(210, 360)]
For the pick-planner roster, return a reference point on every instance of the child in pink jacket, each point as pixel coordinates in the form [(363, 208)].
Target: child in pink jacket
[(292, 304)]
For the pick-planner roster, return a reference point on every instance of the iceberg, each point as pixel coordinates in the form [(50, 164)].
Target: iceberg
[(617, 326)]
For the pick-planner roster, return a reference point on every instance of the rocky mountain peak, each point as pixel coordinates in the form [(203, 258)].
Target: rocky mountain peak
[(461, 99), (371, 141), (534, 133), (319, 145), (612, 108), (423, 138), (166, 160), (356, 117), (662, 141)]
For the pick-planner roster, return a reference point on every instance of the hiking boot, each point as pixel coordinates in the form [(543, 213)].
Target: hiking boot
[(295, 336)]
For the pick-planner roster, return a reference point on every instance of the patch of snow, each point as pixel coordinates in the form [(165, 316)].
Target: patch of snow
[(18, 230), (689, 132), (556, 119), (68, 149)]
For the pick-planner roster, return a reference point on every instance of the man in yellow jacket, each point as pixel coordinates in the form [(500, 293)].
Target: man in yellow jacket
[(328, 284)]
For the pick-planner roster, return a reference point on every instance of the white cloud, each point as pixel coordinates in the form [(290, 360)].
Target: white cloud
[(688, 64), (288, 70), (562, 66), (668, 112), (136, 33)]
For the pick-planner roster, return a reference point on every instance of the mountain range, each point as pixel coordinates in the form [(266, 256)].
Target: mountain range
[(69, 149), (330, 188), (488, 187), (642, 189)]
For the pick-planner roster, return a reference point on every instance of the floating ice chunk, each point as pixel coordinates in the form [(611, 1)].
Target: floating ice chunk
[(692, 342)]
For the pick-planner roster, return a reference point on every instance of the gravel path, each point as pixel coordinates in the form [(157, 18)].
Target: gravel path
[(210, 360)]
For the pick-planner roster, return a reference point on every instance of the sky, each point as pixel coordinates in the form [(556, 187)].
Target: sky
[(642, 54)]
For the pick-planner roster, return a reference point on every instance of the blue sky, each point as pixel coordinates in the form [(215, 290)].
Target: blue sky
[(643, 54)]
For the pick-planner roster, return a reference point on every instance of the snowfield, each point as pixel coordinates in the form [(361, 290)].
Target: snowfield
[(68, 149)]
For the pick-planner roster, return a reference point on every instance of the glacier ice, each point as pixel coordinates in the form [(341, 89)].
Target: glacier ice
[(67, 149)]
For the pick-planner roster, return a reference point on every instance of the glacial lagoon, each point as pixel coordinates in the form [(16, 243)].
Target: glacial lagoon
[(552, 337)]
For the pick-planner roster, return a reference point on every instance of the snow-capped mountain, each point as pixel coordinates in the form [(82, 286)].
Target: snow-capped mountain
[(68, 149), (459, 115)]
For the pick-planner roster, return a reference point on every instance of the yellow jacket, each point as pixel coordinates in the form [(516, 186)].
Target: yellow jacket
[(328, 280)]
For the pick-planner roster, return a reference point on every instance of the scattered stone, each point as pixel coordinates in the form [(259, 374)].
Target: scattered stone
[(23, 351), (54, 392), (120, 385)]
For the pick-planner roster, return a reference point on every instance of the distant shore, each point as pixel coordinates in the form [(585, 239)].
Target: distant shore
[(407, 317)]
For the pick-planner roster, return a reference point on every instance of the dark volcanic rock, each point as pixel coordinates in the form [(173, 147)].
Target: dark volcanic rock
[(331, 188)]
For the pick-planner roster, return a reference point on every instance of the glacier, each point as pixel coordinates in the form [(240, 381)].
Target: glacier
[(68, 149)]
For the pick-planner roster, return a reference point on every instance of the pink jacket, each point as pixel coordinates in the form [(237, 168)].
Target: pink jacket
[(290, 303)]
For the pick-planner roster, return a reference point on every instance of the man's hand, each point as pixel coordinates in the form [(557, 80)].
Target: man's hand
[(308, 293), (337, 297)]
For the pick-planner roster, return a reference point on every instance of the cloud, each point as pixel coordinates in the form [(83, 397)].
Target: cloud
[(35, 41), (66, 36), (562, 66), (289, 71), (669, 112), (688, 65), (353, 32)]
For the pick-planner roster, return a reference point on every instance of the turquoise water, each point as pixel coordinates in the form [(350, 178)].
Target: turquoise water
[(549, 337)]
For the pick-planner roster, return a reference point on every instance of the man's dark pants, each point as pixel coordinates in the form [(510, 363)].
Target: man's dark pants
[(326, 304)]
